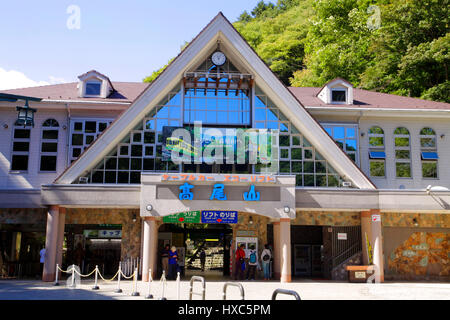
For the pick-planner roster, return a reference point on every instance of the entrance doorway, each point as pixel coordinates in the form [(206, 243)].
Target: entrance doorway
[(203, 249)]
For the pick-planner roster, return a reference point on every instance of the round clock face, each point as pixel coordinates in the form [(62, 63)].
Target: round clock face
[(218, 58)]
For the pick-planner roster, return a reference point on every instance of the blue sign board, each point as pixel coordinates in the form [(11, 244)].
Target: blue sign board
[(213, 216)]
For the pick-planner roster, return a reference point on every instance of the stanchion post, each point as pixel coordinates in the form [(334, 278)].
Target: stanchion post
[(135, 293), (150, 279), (56, 275), (178, 286), (96, 287), (163, 280), (73, 276), (118, 290)]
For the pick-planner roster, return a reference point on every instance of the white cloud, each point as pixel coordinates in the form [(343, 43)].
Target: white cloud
[(13, 79)]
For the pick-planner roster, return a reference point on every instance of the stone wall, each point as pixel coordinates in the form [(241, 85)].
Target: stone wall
[(340, 273), (423, 220), (327, 218), (23, 216), (131, 231)]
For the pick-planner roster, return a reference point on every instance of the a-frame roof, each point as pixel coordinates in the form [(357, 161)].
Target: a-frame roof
[(245, 58)]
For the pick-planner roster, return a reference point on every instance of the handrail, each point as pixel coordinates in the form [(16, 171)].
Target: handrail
[(191, 287), (284, 291), (234, 284), (355, 248)]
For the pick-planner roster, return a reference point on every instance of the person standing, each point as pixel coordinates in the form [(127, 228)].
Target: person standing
[(41, 261), (165, 259), (173, 257), (202, 259), (252, 263), (239, 263), (266, 255)]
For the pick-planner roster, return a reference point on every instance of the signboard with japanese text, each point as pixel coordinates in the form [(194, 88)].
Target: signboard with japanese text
[(229, 178), (213, 216), (110, 233), (183, 217)]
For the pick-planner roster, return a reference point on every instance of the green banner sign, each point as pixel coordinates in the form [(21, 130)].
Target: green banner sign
[(184, 217)]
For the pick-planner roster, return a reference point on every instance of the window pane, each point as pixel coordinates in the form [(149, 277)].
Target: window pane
[(50, 134), (296, 153), (376, 130), (376, 141), (402, 142), (49, 147), (338, 95), (377, 168), (21, 146), (19, 162), (428, 142), (402, 154), (21, 133), (403, 170), (77, 139), (401, 130), (48, 163), (427, 132), (90, 127), (93, 88), (149, 137), (429, 169), (338, 132)]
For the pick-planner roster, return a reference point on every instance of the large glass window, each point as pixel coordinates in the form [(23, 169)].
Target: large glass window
[(402, 153), (377, 154), (83, 132), (20, 148), (346, 136), (212, 107), (428, 153), (49, 145)]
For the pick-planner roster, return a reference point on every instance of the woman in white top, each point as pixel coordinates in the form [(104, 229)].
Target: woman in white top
[(265, 260)]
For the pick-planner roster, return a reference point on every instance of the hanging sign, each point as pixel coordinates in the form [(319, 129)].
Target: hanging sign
[(213, 216), (183, 217), (342, 236)]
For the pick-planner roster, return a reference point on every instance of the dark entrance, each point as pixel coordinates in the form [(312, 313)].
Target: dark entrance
[(307, 251), (191, 240), (89, 245)]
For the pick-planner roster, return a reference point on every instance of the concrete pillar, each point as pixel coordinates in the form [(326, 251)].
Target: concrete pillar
[(282, 249), (371, 231), (377, 243), (60, 238), (276, 250), (150, 247), (51, 238), (366, 235)]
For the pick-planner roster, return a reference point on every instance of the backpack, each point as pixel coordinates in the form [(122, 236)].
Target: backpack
[(253, 257), (266, 257)]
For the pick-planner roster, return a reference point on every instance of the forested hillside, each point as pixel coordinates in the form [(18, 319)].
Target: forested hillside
[(392, 46)]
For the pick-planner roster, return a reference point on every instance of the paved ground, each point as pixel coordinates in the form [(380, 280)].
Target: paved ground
[(254, 290)]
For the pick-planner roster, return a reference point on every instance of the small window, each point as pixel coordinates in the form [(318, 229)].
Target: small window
[(93, 88), (338, 95), (49, 145), (377, 154), (20, 149), (428, 153), (402, 153)]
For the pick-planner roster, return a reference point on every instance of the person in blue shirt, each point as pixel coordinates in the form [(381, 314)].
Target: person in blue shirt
[(173, 259)]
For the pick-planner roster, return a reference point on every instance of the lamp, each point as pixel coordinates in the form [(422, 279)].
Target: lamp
[(250, 220), (25, 115), (416, 224), (286, 209), (134, 217), (149, 207)]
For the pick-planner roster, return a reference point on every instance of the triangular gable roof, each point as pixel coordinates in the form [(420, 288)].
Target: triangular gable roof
[(244, 57)]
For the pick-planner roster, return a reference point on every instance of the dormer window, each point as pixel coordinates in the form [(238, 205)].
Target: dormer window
[(93, 88), (338, 95), (93, 84)]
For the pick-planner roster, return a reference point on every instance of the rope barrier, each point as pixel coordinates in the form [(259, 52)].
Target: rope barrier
[(108, 280), (150, 280)]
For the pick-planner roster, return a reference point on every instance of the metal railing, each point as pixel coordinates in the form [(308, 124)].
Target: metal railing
[(287, 292), (233, 284), (350, 252), (191, 287)]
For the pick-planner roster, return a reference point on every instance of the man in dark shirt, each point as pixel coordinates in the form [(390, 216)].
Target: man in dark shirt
[(173, 258)]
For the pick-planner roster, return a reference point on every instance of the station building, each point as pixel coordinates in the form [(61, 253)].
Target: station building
[(362, 177)]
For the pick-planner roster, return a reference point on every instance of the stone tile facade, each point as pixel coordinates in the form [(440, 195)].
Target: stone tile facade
[(423, 255), (327, 218), (423, 220), (23, 216)]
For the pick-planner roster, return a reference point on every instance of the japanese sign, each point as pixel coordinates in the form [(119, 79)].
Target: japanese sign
[(183, 217), (110, 233), (219, 216), (219, 178), (376, 218), (342, 236)]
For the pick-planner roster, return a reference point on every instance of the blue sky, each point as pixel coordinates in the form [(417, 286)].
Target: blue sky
[(124, 39)]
